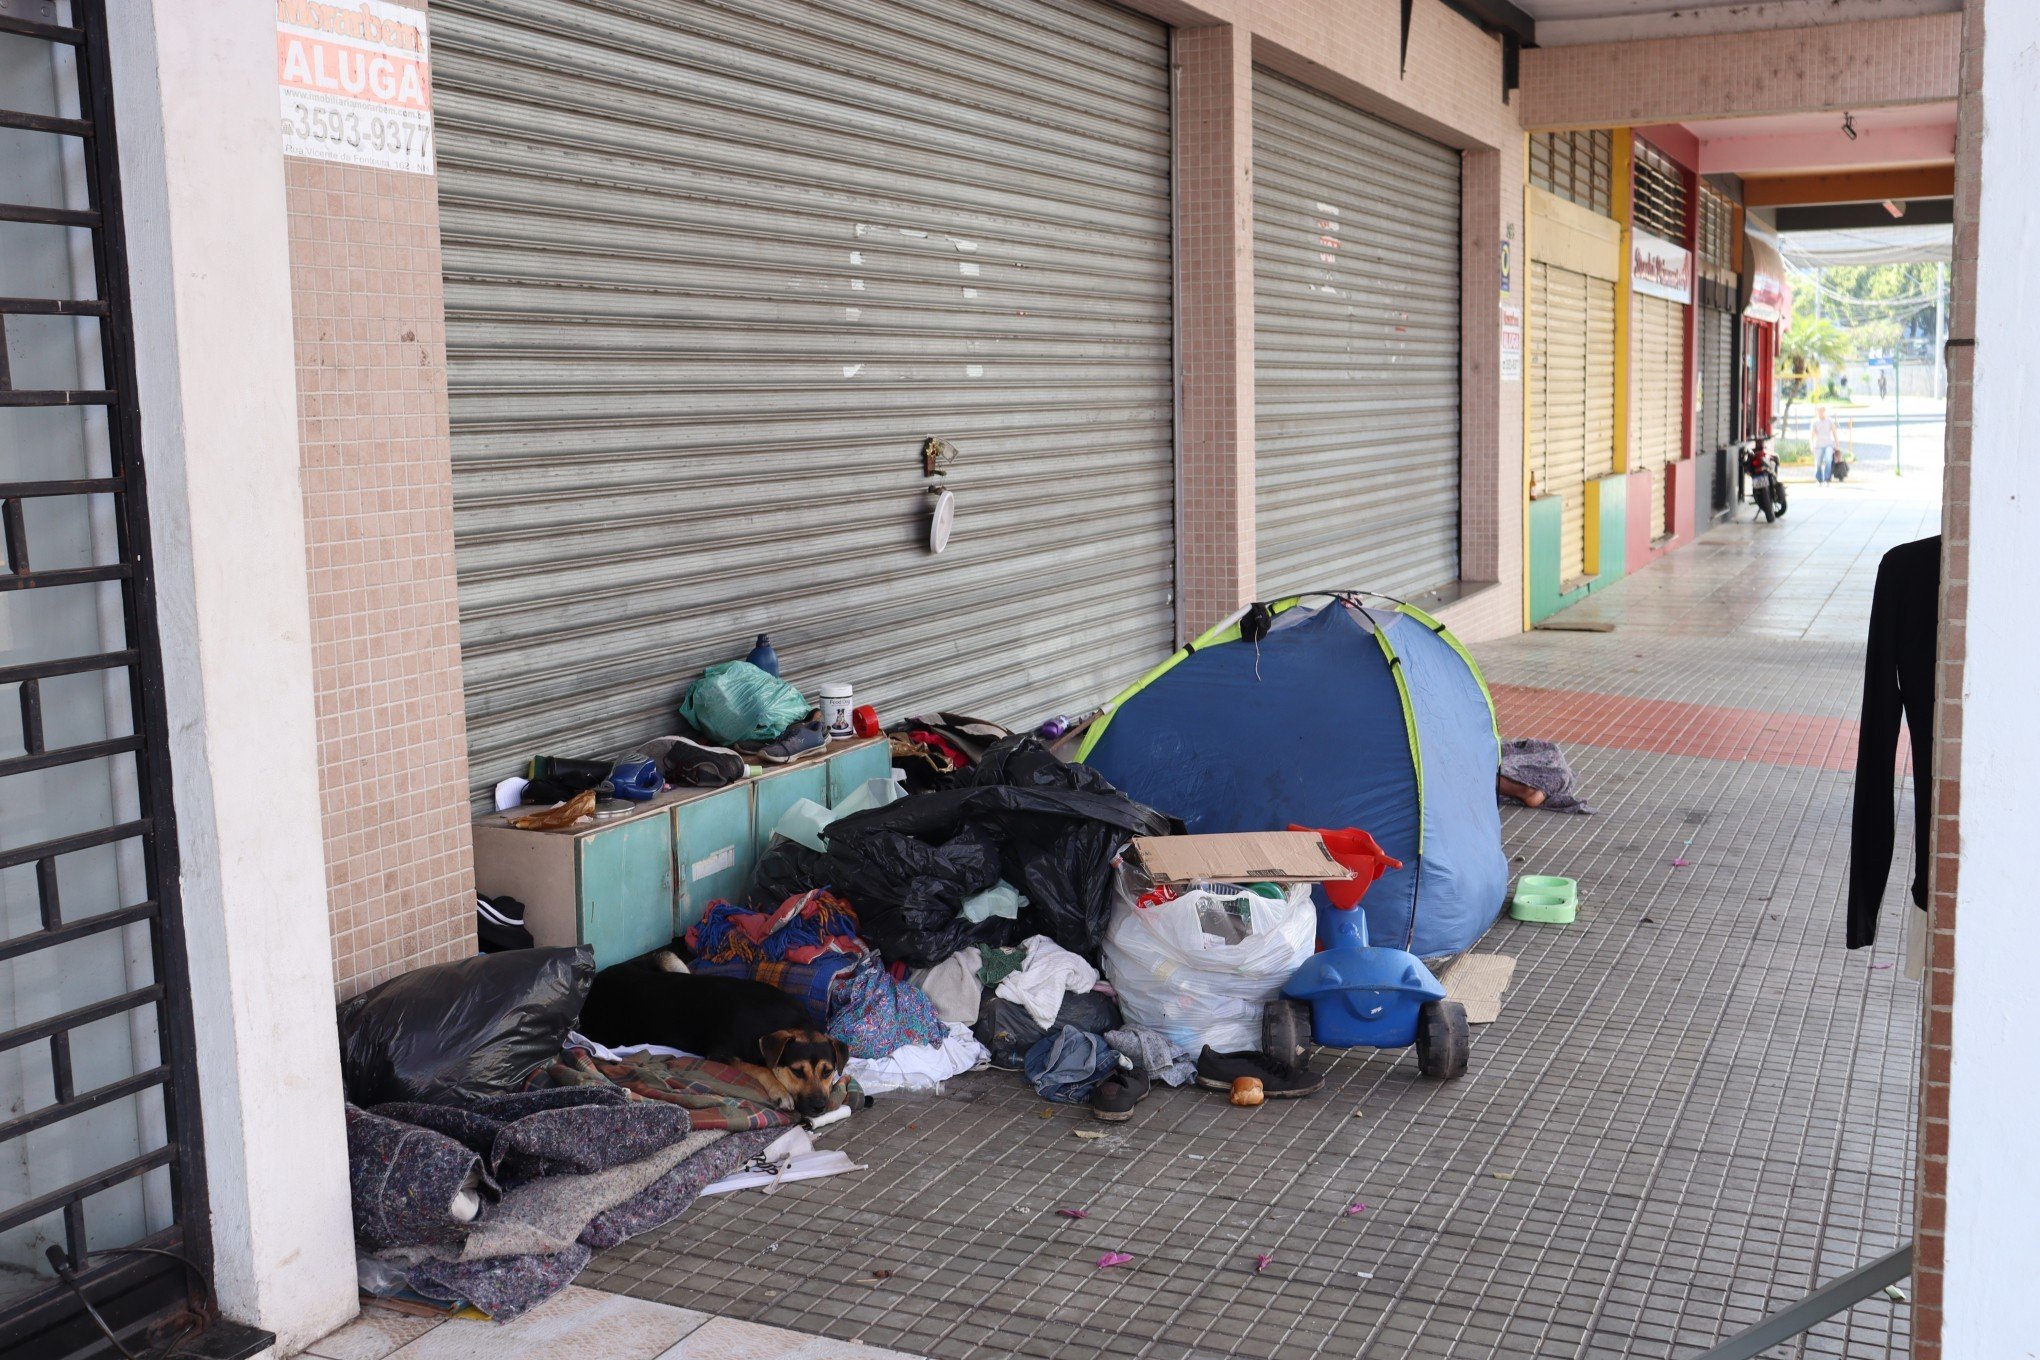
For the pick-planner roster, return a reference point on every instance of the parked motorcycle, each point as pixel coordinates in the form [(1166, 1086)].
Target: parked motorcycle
[(1761, 467)]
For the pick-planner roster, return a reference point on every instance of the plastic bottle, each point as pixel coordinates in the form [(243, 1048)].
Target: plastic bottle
[(763, 657)]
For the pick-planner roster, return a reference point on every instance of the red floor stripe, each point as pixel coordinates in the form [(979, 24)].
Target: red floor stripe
[(1675, 729)]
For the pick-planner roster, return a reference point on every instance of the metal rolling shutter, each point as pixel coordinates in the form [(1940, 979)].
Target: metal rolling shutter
[(1717, 379), (715, 268), (1600, 378), (1559, 304), (1657, 389), (1356, 349)]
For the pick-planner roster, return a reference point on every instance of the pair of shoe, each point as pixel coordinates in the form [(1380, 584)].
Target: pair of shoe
[(1279, 1080)]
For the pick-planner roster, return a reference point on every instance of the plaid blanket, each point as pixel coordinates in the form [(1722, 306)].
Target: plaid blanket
[(810, 983), (715, 1095)]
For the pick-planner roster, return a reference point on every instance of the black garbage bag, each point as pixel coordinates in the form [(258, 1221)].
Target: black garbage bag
[(908, 886), (1056, 828), (786, 869), (461, 1031), (1009, 1031)]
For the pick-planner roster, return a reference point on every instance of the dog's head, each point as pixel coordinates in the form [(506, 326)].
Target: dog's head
[(809, 1064)]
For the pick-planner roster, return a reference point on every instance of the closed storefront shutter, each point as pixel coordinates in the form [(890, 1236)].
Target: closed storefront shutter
[(1356, 349), (714, 271), (1559, 304), (1600, 378), (1657, 388), (1717, 379)]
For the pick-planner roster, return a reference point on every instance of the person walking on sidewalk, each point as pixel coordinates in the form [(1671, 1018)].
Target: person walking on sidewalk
[(1824, 439)]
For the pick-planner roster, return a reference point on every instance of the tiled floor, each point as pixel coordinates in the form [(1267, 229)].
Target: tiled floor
[(582, 1324), (1694, 1107)]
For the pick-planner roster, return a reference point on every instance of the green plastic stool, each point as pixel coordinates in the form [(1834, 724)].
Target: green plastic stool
[(1545, 898)]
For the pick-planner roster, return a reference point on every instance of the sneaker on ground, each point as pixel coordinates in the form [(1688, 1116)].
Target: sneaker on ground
[(797, 743), (1113, 1099), (1280, 1080)]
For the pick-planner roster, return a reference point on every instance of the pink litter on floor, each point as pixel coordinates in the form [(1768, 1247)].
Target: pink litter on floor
[(1261, 1261), (1355, 1208), (1679, 863), (1073, 1213), (1876, 966), (1114, 1258)]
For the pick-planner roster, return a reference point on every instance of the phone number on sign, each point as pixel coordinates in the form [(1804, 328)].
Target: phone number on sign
[(388, 135)]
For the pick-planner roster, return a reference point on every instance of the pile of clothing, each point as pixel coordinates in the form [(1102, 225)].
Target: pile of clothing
[(1042, 1010), (809, 946)]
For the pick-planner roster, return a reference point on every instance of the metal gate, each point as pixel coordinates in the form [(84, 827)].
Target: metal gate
[(714, 272), (1356, 349), (1558, 426), (1656, 427), (1716, 427), (100, 1172)]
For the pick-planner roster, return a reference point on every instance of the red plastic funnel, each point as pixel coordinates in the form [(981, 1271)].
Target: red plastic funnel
[(1357, 851)]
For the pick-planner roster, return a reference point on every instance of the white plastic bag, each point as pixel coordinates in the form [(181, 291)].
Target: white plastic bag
[(1199, 973)]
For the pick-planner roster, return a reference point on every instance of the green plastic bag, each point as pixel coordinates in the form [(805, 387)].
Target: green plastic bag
[(735, 701)]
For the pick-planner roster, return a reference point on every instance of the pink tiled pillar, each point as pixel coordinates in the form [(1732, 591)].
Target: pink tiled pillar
[(1215, 324), (377, 475), (1481, 417)]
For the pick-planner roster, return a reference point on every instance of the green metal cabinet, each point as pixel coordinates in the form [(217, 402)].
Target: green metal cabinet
[(714, 851), (775, 791), (852, 769), (626, 888), (631, 882)]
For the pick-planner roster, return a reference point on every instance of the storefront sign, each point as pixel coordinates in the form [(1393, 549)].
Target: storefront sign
[(1512, 343), (1767, 298), (1659, 268), (356, 80)]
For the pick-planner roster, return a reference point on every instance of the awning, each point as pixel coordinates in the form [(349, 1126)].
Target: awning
[(1898, 243), (1765, 296)]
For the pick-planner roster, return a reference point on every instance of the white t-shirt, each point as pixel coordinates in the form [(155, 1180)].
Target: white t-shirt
[(1824, 435)]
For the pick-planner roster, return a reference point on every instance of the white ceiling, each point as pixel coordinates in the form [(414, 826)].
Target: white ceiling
[(1563, 23)]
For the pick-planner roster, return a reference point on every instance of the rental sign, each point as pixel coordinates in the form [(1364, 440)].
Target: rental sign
[(1660, 269), (356, 80)]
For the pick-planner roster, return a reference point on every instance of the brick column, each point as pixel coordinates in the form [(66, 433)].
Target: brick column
[(1930, 1190), (1215, 325)]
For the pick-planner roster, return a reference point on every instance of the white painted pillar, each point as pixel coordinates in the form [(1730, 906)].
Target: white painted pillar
[(1991, 1308), (202, 175)]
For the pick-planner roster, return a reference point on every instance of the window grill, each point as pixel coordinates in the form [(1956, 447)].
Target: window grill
[(96, 1062), (1658, 195), (1577, 166), (1717, 228)]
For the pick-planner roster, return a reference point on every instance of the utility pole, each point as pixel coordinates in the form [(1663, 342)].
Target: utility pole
[(1897, 405)]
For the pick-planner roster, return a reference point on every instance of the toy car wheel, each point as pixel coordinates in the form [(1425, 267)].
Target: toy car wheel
[(1285, 1030), (1442, 1040)]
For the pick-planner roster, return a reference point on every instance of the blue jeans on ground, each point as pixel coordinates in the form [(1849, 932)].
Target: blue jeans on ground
[(1824, 463)]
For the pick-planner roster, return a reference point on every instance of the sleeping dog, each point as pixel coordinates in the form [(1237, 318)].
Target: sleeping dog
[(653, 999)]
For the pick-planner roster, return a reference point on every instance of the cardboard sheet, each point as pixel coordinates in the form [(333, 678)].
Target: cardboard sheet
[(1242, 857)]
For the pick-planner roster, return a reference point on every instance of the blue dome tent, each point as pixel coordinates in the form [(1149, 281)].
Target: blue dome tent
[(1343, 714)]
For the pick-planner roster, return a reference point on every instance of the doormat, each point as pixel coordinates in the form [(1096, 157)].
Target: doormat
[(1477, 981)]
